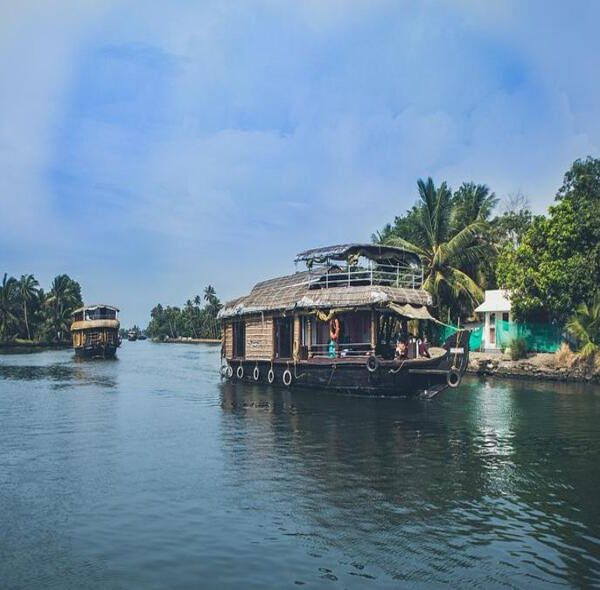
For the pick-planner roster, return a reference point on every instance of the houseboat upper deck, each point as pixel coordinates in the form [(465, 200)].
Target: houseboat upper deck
[(354, 320)]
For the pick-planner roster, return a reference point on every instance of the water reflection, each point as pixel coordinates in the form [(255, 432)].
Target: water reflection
[(64, 374), (426, 491), (148, 472)]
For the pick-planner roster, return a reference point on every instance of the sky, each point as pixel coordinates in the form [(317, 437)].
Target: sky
[(148, 149)]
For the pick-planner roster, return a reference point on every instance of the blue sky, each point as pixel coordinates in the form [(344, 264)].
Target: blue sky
[(150, 148)]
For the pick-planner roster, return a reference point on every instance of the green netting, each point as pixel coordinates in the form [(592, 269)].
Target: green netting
[(475, 339), (538, 337)]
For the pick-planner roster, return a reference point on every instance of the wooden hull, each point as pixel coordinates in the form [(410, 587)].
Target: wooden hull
[(96, 338), (99, 351), (417, 377)]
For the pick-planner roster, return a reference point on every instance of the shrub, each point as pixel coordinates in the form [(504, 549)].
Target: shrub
[(518, 349), (584, 324), (564, 356)]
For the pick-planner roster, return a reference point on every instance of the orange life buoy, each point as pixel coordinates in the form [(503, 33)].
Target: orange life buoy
[(334, 329)]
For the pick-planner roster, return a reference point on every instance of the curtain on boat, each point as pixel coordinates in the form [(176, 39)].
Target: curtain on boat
[(414, 313)]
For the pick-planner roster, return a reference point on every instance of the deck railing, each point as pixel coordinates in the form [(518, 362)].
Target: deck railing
[(389, 275), (345, 349)]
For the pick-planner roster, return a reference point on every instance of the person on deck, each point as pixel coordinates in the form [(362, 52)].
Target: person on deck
[(424, 347), (401, 349)]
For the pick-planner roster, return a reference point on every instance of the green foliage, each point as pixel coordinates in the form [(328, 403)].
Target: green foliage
[(556, 266), (26, 312), (472, 202), (192, 320), (8, 307), (451, 242), (27, 289), (403, 227), (584, 324), (510, 227), (518, 349)]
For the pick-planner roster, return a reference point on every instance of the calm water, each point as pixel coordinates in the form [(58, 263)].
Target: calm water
[(148, 472)]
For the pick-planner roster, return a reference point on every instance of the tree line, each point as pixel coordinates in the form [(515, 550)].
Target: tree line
[(196, 319), (550, 264), (27, 312)]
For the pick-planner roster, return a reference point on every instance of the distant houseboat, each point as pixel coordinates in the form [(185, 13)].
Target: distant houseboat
[(353, 321), (132, 335), (95, 331)]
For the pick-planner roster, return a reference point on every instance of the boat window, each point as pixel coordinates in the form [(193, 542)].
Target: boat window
[(100, 313), (284, 334), (356, 330), (320, 336), (354, 337), (239, 339)]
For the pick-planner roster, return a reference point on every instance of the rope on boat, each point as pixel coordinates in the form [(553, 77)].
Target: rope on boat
[(331, 375), (394, 371), (456, 346), (296, 376)]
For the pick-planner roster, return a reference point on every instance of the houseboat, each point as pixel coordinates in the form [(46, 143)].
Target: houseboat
[(95, 331), (356, 319)]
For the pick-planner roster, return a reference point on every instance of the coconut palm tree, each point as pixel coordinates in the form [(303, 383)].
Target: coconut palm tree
[(210, 294), (472, 202), (64, 296), (445, 255), (584, 324), (8, 301), (27, 290)]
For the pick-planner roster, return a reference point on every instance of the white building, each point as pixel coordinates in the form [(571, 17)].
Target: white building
[(496, 306)]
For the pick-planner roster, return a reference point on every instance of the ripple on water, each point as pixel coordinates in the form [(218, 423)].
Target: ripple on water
[(149, 472)]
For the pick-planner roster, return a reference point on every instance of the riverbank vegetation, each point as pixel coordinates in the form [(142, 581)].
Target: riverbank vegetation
[(458, 239), (28, 314), (550, 264), (196, 319)]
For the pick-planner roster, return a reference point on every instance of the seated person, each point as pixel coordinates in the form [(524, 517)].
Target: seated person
[(424, 347), (401, 349)]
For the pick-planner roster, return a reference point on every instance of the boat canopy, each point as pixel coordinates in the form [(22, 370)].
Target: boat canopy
[(343, 252), (410, 311)]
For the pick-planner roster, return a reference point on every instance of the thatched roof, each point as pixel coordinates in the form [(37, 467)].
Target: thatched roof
[(293, 292), (89, 324)]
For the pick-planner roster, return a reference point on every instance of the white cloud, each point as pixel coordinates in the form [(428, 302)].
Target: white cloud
[(229, 135), (38, 42)]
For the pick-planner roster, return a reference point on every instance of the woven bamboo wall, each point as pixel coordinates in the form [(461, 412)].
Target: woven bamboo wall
[(259, 338), (228, 340)]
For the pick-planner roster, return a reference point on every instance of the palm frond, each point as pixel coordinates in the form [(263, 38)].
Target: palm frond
[(402, 243), (464, 284), (462, 240)]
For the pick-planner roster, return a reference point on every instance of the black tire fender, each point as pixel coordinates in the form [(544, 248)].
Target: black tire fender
[(372, 364), (453, 378)]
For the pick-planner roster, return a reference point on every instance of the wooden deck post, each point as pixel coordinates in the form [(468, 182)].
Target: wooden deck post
[(373, 331), (296, 343)]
